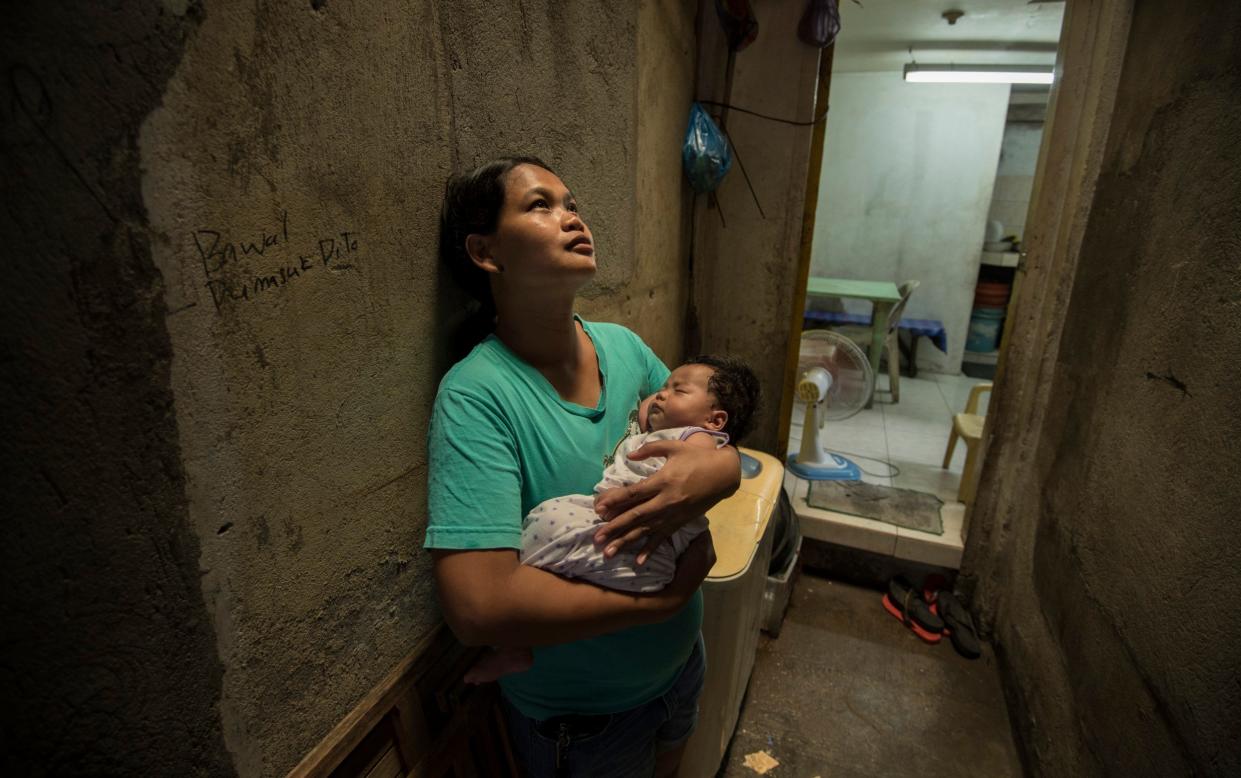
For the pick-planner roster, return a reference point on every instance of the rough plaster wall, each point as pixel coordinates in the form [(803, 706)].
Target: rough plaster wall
[(1152, 560), (1121, 643), (745, 273), (207, 585), (557, 80), (302, 409), (652, 302), (109, 663), (298, 407), (907, 180)]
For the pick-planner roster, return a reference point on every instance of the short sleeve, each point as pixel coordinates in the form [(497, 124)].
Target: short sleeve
[(656, 371), (474, 496)]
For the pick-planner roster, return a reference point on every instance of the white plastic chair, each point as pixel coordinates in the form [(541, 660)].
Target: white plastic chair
[(968, 426)]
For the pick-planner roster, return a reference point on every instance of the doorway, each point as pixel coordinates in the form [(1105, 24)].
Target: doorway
[(926, 182)]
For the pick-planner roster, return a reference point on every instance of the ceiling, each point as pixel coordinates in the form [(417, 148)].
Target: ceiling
[(877, 35)]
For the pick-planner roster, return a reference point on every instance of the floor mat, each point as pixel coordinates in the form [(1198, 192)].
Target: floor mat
[(901, 507)]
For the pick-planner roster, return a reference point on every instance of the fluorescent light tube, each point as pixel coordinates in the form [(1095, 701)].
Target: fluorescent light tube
[(979, 74)]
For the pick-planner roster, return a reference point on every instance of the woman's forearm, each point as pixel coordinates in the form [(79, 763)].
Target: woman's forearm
[(538, 608), (489, 598)]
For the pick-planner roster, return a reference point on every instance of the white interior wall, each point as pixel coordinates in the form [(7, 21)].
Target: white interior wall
[(906, 186), (1014, 181)]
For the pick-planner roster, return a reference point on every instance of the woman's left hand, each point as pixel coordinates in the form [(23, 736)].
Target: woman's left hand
[(690, 483)]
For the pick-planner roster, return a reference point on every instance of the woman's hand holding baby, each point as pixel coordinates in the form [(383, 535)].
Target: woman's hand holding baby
[(696, 476)]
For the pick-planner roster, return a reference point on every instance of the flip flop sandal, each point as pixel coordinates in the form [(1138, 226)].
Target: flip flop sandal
[(958, 625), (904, 603)]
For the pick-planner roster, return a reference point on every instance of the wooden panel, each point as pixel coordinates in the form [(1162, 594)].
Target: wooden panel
[(421, 720), (370, 751), (388, 766)]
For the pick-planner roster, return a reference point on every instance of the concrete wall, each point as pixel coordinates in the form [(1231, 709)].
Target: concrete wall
[(1109, 573), (745, 263), (904, 192), (231, 327), (108, 658), (650, 292)]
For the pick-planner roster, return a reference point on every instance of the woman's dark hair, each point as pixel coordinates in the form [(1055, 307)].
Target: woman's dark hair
[(735, 388), (472, 203)]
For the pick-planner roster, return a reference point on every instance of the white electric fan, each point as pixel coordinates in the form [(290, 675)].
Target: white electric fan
[(834, 380)]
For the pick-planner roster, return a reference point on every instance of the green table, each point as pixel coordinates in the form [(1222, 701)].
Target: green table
[(882, 294)]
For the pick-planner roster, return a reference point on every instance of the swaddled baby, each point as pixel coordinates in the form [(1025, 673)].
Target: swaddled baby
[(703, 402)]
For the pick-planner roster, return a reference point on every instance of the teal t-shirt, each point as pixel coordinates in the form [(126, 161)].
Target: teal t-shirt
[(502, 441)]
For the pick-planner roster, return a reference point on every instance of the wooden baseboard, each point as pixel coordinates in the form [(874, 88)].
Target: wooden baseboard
[(420, 720)]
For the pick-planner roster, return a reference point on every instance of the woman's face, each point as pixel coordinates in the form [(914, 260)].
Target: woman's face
[(540, 236)]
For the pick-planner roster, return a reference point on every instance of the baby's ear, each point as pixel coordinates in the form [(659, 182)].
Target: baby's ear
[(717, 419)]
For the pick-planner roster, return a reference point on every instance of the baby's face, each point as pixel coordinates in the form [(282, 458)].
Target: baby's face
[(684, 401)]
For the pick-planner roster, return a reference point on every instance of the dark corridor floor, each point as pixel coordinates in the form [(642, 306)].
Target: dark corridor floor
[(847, 691)]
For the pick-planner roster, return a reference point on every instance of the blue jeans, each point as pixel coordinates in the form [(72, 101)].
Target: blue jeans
[(615, 745)]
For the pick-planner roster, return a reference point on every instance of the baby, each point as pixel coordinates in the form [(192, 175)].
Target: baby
[(704, 402)]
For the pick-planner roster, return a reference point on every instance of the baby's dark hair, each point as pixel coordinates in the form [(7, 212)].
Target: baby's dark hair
[(735, 388)]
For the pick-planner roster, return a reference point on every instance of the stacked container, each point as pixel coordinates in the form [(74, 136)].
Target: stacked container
[(987, 318)]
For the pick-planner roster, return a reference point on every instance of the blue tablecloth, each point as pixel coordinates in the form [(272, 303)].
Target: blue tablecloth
[(933, 329)]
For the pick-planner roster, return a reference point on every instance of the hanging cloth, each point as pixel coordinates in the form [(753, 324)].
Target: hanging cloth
[(820, 24)]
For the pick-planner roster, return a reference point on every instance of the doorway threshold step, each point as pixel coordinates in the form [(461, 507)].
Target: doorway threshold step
[(877, 536)]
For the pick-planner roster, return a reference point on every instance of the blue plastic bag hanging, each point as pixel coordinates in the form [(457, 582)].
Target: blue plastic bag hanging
[(704, 154)]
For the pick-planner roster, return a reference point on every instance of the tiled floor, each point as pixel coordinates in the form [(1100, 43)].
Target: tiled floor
[(911, 435)]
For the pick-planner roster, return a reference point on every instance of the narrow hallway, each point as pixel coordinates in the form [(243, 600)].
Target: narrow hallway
[(847, 691), (258, 532)]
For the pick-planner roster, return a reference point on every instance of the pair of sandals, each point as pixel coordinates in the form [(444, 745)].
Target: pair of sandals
[(931, 614)]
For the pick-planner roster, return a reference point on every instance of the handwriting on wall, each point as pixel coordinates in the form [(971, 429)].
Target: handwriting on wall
[(228, 265)]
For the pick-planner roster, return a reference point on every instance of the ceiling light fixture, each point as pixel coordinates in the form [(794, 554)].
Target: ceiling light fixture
[(979, 74)]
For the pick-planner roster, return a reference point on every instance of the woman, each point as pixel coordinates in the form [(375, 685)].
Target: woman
[(532, 412)]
